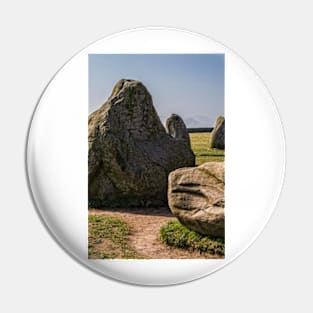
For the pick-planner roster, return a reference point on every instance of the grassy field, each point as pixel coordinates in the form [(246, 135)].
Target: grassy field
[(200, 146)]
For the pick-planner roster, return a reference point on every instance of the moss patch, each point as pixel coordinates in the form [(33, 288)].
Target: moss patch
[(175, 234), (130, 99)]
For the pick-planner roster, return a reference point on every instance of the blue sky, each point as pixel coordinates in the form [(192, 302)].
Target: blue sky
[(191, 85)]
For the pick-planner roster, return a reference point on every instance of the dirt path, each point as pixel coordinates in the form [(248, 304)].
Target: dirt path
[(146, 224)]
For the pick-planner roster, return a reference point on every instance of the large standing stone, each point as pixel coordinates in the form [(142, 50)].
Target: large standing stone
[(218, 134), (196, 197), (130, 154)]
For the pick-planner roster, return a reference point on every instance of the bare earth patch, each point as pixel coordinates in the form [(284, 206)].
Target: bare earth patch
[(145, 236)]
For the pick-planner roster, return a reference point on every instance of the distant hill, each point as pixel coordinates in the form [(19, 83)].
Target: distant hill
[(199, 121), (195, 121)]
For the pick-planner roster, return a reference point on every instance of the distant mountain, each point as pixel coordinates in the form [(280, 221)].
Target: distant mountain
[(195, 121)]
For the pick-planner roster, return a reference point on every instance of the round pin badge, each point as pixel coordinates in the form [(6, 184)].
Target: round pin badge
[(155, 156)]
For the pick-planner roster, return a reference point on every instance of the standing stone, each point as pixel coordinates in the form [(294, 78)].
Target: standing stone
[(176, 127), (218, 134), (196, 197), (130, 154)]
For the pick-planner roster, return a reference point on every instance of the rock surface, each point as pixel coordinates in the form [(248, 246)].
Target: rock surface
[(218, 134), (196, 197), (129, 152)]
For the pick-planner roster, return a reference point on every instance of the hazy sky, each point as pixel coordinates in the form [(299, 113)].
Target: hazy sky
[(191, 85)]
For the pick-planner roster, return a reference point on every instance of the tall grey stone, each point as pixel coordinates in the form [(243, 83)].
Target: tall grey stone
[(176, 127), (218, 134), (129, 152)]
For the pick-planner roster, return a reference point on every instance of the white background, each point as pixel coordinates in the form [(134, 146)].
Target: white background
[(274, 274)]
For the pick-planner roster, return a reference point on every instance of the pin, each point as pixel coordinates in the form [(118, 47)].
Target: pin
[(155, 156)]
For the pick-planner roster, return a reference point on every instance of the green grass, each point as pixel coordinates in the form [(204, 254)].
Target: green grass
[(175, 234), (112, 235), (200, 146)]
